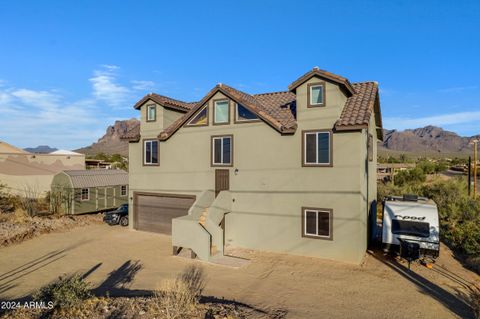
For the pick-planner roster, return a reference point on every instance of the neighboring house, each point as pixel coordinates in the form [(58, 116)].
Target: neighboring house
[(29, 174), (291, 171), (87, 191), (95, 164)]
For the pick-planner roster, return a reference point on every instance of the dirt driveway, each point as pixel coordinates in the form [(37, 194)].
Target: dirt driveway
[(129, 262)]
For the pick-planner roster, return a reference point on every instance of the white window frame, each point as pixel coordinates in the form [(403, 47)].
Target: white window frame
[(323, 94), (88, 194), (330, 144), (195, 116), (237, 117), (317, 211), (221, 138), (215, 112), (145, 162), (154, 107), (122, 192)]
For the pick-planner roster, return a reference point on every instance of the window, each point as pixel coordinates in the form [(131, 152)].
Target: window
[(151, 113), (85, 194), (150, 152), (317, 148), (221, 112), (123, 191), (317, 223), (410, 228), (201, 119), (316, 94), (222, 150), (244, 115)]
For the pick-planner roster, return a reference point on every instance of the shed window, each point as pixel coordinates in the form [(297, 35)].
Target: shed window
[(222, 112), (150, 156), (123, 191), (85, 195), (317, 223), (243, 114), (316, 148), (222, 150), (151, 113)]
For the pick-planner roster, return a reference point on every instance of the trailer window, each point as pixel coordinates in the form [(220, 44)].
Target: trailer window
[(407, 227)]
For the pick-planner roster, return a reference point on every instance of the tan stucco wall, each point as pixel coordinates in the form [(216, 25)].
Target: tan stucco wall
[(271, 186), (165, 117), (18, 171)]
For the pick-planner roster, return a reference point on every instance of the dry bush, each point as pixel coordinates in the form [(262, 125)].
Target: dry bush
[(180, 296)]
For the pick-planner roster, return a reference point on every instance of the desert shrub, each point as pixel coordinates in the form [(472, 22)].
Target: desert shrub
[(8, 202), (180, 296), (64, 292), (473, 297), (409, 176)]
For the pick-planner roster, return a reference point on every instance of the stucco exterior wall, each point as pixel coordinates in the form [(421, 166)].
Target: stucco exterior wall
[(269, 186), (20, 171)]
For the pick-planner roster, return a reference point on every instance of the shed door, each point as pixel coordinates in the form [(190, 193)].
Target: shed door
[(154, 212)]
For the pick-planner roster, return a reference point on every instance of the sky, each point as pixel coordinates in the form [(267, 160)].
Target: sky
[(68, 69)]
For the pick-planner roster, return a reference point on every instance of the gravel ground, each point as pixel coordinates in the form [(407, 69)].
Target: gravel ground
[(15, 228)]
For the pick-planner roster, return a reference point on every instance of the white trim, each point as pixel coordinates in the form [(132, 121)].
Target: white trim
[(88, 194), (221, 138), (237, 117), (317, 148), (215, 112), (151, 106), (316, 222), (145, 160), (195, 116), (311, 94)]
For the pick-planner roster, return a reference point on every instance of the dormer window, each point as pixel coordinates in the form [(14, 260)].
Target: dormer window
[(316, 94), (151, 113), (242, 114), (201, 119), (221, 112)]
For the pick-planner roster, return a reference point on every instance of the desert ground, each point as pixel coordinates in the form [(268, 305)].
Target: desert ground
[(123, 262)]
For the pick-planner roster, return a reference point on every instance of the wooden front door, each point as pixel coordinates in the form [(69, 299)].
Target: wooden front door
[(222, 180)]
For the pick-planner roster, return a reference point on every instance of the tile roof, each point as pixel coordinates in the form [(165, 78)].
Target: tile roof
[(133, 134), (323, 74), (359, 107), (97, 177), (278, 108), (166, 101)]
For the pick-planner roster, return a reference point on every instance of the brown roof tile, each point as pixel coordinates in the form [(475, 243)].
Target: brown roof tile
[(166, 101), (323, 74), (132, 134)]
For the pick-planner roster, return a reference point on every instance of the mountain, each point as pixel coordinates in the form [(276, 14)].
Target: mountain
[(41, 149), (111, 143), (427, 140)]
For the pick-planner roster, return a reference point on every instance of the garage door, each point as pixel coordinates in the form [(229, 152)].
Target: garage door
[(154, 212)]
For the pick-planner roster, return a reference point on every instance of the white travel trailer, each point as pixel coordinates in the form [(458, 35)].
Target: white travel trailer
[(411, 223)]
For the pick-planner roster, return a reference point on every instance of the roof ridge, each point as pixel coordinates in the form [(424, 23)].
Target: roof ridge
[(270, 93), (171, 98)]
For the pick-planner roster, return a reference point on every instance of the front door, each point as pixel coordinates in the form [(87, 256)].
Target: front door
[(222, 181)]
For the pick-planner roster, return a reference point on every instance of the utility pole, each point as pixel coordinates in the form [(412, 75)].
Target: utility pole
[(469, 176), (475, 164)]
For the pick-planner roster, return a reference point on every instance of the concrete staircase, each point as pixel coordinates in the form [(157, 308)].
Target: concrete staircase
[(200, 230)]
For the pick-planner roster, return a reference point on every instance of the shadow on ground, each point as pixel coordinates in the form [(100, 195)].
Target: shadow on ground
[(454, 302)]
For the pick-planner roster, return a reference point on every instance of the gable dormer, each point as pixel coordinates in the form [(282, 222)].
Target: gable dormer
[(320, 97)]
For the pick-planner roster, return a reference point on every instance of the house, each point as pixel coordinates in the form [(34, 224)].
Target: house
[(291, 171), (29, 174), (87, 191), (95, 164)]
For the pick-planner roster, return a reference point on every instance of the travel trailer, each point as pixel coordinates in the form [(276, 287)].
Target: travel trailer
[(411, 227)]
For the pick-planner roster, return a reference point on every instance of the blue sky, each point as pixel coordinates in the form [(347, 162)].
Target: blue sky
[(68, 69)]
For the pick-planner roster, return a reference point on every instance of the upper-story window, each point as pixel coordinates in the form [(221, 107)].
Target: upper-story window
[(221, 112), (242, 114), (316, 94), (317, 148), (151, 113), (201, 119), (222, 150), (150, 152)]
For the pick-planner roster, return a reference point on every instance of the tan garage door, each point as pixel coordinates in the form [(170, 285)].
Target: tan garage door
[(154, 212)]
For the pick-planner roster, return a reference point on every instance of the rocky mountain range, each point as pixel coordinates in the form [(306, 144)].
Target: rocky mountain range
[(429, 140), (111, 143)]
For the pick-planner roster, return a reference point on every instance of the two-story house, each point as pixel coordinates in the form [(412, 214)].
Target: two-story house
[(291, 171)]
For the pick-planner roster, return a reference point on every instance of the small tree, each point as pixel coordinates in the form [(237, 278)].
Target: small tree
[(30, 199)]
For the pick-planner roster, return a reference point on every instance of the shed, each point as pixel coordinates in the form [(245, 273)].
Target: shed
[(87, 191)]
